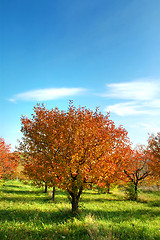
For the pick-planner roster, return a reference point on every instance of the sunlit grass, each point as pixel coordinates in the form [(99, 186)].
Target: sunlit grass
[(28, 213)]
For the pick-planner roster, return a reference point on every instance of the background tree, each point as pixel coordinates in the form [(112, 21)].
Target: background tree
[(136, 170), (154, 152), (39, 174), (8, 160), (71, 144), (111, 169)]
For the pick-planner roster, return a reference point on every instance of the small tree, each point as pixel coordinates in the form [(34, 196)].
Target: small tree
[(130, 192), (111, 169), (136, 171), (37, 172), (153, 150), (8, 160)]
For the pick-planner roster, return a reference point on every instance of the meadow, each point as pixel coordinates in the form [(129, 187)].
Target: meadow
[(29, 214)]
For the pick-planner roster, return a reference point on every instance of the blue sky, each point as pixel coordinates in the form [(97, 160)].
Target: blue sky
[(102, 53)]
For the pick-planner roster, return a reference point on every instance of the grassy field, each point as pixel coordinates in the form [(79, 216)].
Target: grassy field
[(28, 213)]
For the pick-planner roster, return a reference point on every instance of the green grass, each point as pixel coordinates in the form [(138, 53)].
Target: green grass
[(28, 213)]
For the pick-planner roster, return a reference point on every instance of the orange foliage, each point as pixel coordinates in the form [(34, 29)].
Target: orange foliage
[(137, 168), (72, 146), (111, 169), (154, 152), (37, 172), (8, 160)]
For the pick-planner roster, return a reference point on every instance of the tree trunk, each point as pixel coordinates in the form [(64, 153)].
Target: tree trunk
[(45, 190), (108, 187), (74, 198), (75, 202), (53, 194), (108, 190), (136, 191)]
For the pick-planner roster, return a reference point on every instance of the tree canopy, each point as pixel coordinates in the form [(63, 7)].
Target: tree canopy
[(154, 151), (72, 146), (8, 160)]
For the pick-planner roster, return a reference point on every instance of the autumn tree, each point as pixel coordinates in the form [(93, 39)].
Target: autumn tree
[(38, 173), (111, 169), (8, 160), (153, 150), (137, 169), (70, 145)]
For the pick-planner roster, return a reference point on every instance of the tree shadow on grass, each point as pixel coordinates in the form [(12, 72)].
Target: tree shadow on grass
[(90, 192), (19, 192), (37, 195), (154, 203), (31, 199), (35, 191), (43, 234), (48, 217), (11, 186), (143, 214), (41, 198), (101, 200), (101, 197), (157, 193)]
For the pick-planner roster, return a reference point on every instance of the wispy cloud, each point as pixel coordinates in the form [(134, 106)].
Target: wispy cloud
[(133, 108), (47, 94), (150, 128), (12, 100), (135, 90), (139, 97), (127, 108)]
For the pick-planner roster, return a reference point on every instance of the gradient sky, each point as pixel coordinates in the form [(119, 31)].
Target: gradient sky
[(102, 54)]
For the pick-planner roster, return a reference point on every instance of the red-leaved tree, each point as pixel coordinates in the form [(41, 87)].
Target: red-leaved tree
[(137, 168), (154, 152), (70, 145), (8, 160)]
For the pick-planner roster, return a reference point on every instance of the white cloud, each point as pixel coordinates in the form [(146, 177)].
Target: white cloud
[(144, 96), (133, 108), (125, 109), (153, 104), (136, 90), (48, 94), (12, 100), (150, 128)]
